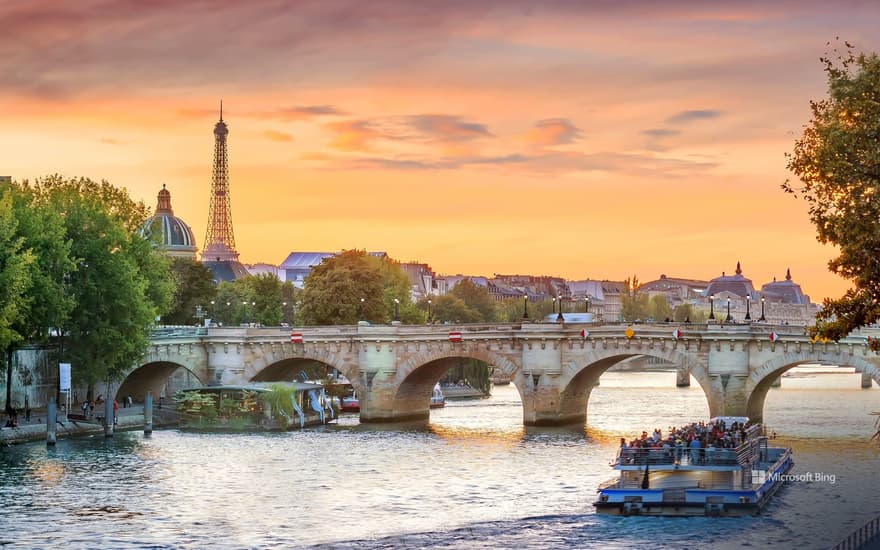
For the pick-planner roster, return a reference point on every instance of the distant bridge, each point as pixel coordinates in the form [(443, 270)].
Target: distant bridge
[(554, 366)]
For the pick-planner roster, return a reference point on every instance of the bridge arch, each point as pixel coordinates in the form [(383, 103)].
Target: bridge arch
[(579, 380), (761, 379), (287, 366), (418, 372), (152, 376)]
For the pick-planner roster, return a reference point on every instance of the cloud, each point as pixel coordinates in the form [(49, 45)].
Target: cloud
[(553, 131), (685, 117), (447, 128), (275, 135), (543, 163), (354, 135), (660, 132), (113, 141), (300, 112)]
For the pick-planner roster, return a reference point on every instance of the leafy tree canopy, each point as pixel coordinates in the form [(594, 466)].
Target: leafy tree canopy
[(837, 163), (342, 289), (477, 298)]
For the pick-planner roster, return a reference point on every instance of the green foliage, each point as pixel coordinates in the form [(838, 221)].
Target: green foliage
[(280, 397), (340, 288), (837, 161), (452, 309), (15, 279), (476, 298), (635, 306), (193, 403), (119, 284), (659, 309), (194, 286), (511, 310)]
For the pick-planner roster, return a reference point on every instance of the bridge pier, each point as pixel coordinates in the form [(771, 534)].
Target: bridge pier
[(682, 377), (867, 381)]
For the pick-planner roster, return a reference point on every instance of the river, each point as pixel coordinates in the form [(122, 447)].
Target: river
[(473, 477)]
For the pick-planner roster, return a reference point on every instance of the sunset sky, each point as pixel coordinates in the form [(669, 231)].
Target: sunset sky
[(590, 139)]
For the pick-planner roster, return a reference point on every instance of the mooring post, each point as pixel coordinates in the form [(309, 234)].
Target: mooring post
[(108, 417), (867, 381), (50, 423), (148, 413)]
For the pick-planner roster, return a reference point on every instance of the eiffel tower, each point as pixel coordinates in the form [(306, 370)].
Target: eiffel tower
[(219, 253)]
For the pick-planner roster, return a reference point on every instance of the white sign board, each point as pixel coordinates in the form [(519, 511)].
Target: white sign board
[(64, 376)]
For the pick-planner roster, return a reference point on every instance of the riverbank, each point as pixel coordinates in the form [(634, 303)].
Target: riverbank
[(128, 419)]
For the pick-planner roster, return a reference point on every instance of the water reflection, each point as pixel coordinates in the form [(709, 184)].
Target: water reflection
[(472, 476)]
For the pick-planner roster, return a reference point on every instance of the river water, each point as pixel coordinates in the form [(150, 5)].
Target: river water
[(473, 477)]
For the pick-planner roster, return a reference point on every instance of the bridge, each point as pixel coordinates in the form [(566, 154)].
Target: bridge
[(553, 366)]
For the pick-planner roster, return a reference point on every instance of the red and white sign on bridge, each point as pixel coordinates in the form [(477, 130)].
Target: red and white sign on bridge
[(296, 337)]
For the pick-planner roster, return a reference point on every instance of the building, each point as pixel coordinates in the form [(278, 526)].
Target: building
[(263, 269), (421, 278), (297, 266), (168, 231)]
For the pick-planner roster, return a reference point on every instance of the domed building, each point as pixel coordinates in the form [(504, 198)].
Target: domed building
[(734, 284), (784, 292), (167, 230)]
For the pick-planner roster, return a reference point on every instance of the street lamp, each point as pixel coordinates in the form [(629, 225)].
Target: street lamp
[(361, 310), (525, 306), (244, 309), (560, 318), (729, 318), (284, 312), (711, 307), (748, 307), (587, 304), (429, 311), (762, 319), (397, 310)]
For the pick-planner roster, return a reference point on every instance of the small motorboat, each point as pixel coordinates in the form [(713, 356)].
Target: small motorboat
[(437, 398)]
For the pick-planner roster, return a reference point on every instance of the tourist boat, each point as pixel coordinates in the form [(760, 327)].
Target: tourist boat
[(688, 482)]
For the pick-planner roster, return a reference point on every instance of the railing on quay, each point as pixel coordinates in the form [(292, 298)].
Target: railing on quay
[(861, 537)]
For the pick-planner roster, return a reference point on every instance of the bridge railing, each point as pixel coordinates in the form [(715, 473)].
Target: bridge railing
[(861, 537)]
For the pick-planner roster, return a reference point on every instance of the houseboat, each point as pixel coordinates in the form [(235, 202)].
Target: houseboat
[(255, 407), (734, 475)]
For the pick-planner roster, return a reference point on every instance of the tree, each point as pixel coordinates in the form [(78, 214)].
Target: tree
[(837, 161), (47, 303), (341, 289), (477, 298), (452, 309), (659, 308), (15, 282), (194, 286), (120, 283), (396, 284)]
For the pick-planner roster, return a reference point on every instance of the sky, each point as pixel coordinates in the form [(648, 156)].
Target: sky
[(591, 139)]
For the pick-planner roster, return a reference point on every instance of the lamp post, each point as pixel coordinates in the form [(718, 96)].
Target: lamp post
[(729, 318), (560, 318), (361, 310), (525, 306), (213, 311), (396, 310), (587, 304), (748, 307), (762, 319), (284, 313), (429, 311), (244, 309), (711, 307)]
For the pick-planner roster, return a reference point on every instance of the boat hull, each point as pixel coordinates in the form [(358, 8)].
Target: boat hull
[(695, 501)]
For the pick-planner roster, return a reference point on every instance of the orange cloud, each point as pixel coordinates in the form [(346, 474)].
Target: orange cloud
[(553, 131), (275, 135)]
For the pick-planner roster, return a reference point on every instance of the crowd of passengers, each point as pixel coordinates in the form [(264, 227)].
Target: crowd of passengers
[(697, 443)]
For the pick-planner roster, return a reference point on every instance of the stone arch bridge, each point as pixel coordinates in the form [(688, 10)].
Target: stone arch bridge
[(554, 366)]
